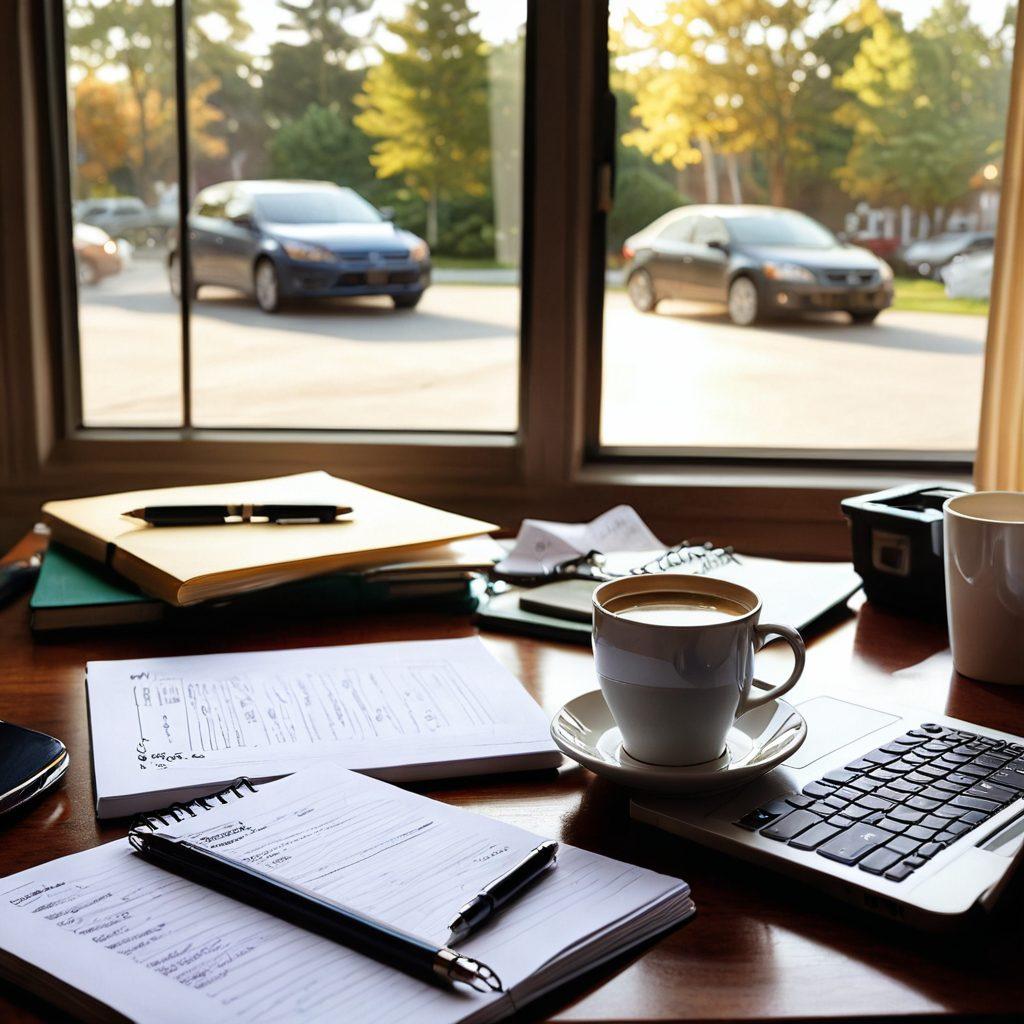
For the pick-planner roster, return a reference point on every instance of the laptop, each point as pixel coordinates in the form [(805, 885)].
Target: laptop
[(911, 815)]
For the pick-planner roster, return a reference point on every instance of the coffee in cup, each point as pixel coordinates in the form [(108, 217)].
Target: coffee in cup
[(675, 659)]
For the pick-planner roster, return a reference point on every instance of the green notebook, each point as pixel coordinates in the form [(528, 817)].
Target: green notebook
[(74, 592)]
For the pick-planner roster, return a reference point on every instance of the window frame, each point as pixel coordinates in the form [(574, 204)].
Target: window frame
[(552, 466)]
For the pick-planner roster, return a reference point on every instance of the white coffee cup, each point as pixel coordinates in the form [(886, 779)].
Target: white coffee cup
[(676, 681), (984, 552)]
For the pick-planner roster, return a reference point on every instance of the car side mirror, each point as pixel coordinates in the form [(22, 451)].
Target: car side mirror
[(387, 212), (244, 220)]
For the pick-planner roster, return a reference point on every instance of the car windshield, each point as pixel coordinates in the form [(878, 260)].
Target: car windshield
[(320, 207), (788, 229)]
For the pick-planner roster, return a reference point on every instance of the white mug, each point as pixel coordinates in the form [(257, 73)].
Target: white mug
[(675, 690), (984, 552)]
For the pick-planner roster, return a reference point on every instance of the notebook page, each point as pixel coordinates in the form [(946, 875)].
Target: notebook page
[(165, 724), (157, 947)]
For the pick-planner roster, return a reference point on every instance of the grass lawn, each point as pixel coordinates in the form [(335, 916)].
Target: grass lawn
[(918, 295)]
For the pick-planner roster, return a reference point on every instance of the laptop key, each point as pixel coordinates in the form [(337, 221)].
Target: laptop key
[(814, 836), (975, 770), (949, 812), (932, 772), (933, 821), (859, 766), (755, 819), (903, 845), (880, 756), (990, 791), (920, 803), (920, 779), (920, 832), (1012, 776), (973, 803), (905, 786), (875, 803), (817, 790), (848, 847), (883, 775), (898, 873), (888, 793), (945, 787), (840, 821), (892, 825), (974, 817), (856, 813), (930, 849), (865, 785), (799, 800), (958, 828), (991, 760), (840, 777), (848, 793), (934, 793), (879, 861), (791, 825), (906, 814)]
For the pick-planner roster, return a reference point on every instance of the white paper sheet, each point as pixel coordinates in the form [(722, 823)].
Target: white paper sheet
[(541, 544), (159, 948), (165, 726)]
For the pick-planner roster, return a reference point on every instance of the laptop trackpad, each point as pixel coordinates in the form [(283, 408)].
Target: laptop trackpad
[(833, 723)]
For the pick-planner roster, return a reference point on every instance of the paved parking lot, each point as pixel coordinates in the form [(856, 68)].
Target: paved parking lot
[(684, 376)]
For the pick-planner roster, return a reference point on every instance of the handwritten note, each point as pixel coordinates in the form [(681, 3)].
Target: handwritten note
[(168, 723), (159, 948)]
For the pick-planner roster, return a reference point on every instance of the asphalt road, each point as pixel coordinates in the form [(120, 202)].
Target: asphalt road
[(684, 376)]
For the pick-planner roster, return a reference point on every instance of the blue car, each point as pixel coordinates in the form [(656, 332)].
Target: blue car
[(278, 240)]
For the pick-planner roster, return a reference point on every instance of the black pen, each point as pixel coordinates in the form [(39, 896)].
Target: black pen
[(214, 515), (313, 912), (496, 894)]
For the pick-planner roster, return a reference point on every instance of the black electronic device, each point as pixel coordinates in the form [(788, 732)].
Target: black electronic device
[(30, 764), (897, 545)]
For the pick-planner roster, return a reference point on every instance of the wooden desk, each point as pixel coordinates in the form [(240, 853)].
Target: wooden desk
[(761, 947)]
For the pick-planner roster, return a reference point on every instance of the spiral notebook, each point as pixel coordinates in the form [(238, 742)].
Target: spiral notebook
[(107, 935)]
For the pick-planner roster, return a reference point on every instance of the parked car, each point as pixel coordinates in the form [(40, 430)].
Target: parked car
[(970, 276), (927, 257), (130, 218), (96, 254), (299, 239), (758, 260)]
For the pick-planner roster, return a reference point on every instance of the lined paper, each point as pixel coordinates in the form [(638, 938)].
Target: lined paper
[(159, 948), (164, 725)]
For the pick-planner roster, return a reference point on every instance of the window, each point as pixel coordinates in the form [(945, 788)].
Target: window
[(846, 162), (354, 173)]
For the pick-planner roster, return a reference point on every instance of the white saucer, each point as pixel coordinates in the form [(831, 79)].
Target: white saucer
[(758, 740)]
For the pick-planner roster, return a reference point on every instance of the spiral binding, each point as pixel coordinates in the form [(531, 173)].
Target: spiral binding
[(150, 822), (698, 559)]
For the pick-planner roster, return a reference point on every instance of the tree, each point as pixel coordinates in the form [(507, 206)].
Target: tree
[(426, 105), (926, 107), (135, 39), (730, 76), (315, 70), (321, 144), (109, 143)]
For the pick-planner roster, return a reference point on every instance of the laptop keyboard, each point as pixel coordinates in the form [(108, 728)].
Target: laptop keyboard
[(893, 809)]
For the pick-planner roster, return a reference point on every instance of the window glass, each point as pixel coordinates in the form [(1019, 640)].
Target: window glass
[(680, 230), (854, 150), (710, 231), (381, 144), (122, 144)]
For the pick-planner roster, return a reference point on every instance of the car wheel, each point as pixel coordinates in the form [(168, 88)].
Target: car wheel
[(268, 289), (88, 275), (174, 277), (744, 302), (641, 291), (866, 317), (407, 301)]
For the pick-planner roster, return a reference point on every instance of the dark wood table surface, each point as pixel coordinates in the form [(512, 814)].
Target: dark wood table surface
[(760, 948)]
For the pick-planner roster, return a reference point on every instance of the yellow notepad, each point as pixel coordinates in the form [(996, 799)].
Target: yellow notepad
[(184, 565)]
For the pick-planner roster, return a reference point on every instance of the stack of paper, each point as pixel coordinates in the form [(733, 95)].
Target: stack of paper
[(172, 729)]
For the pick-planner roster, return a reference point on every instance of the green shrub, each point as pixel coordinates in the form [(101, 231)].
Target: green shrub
[(641, 196)]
